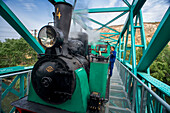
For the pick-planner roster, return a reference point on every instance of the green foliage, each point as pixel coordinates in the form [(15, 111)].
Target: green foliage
[(15, 52), (139, 54), (160, 68)]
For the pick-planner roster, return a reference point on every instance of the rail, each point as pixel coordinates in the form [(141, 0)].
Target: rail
[(13, 90), (142, 98)]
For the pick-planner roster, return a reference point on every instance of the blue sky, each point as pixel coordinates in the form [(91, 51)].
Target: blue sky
[(36, 13)]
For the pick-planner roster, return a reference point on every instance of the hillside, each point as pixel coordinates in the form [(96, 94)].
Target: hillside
[(150, 28)]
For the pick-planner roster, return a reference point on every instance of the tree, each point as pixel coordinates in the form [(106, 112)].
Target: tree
[(15, 52), (160, 68)]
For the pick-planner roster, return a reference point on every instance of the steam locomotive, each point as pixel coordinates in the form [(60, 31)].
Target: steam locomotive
[(65, 76)]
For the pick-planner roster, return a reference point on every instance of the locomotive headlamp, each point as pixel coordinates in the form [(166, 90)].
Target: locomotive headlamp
[(48, 36)]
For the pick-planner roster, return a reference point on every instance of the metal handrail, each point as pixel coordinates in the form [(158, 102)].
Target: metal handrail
[(164, 103), (20, 75), (17, 73)]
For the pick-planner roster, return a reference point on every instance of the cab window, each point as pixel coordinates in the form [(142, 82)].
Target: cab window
[(102, 48)]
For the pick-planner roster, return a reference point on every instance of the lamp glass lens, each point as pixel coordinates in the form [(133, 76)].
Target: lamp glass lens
[(47, 36)]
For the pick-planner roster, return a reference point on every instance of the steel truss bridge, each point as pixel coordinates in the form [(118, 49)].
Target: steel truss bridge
[(130, 86)]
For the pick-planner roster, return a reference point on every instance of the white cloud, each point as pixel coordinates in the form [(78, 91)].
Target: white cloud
[(154, 10), (105, 17), (29, 6)]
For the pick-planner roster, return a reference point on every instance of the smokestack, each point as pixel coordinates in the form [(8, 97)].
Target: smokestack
[(63, 14)]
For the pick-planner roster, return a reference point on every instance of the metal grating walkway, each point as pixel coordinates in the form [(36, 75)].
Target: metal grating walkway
[(118, 101)]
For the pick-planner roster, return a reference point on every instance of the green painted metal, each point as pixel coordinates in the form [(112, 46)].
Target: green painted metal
[(119, 51), (11, 90), (13, 110), (9, 87), (110, 40), (98, 77), (11, 18), (110, 33), (124, 54), (112, 36), (122, 48), (104, 36), (102, 10), (156, 83), (99, 23), (145, 97), (133, 44), (143, 39), (137, 5), (10, 69), (159, 40), (109, 37), (93, 47), (22, 86), (55, 1), (112, 20), (78, 102), (127, 3), (21, 72), (15, 69)]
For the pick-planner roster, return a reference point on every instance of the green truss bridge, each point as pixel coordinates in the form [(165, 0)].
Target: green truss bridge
[(131, 87)]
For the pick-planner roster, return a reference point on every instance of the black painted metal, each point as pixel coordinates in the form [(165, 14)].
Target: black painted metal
[(83, 37), (63, 14), (36, 108), (53, 79)]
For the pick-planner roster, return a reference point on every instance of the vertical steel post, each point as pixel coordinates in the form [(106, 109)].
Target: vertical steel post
[(134, 95), (134, 101), (143, 38), (133, 44), (21, 86), (0, 91), (142, 107), (125, 50), (28, 81), (119, 52), (122, 48)]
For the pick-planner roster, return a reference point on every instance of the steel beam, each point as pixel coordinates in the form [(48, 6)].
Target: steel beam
[(127, 3), (99, 23), (104, 36), (157, 43), (103, 10), (110, 40), (137, 6), (110, 33), (55, 1), (133, 44), (11, 18), (112, 20)]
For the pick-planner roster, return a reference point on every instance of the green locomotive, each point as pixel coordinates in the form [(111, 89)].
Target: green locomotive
[(68, 76)]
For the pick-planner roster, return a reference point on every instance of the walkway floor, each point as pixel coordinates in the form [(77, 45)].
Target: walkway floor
[(118, 101)]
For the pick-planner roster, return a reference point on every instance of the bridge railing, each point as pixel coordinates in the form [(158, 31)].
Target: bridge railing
[(145, 96), (15, 89)]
